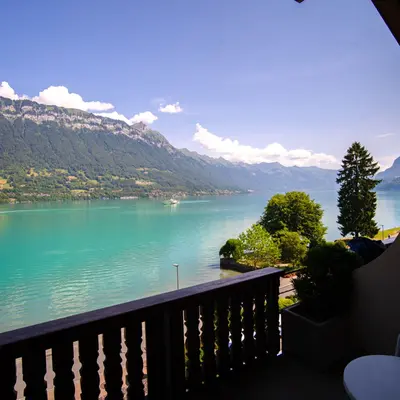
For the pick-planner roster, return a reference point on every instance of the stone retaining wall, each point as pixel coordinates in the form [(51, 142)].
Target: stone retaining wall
[(231, 264)]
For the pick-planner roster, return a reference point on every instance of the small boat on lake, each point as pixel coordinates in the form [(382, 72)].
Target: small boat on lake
[(171, 202)]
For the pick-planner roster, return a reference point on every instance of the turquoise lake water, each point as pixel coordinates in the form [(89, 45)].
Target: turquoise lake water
[(59, 259)]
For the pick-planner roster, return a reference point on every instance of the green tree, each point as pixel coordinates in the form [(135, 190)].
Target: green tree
[(233, 248), (357, 200), (260, 247), (295, 212), (293, 247)]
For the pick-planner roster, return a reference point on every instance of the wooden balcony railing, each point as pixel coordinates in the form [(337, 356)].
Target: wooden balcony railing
[(161, 347)]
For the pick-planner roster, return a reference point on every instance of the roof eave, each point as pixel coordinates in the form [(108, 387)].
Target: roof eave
[(390, 13)]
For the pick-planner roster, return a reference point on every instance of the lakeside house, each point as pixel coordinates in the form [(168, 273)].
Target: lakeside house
[(169, 347)]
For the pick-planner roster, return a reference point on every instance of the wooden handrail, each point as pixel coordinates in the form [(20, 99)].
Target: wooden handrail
[(120, 310)]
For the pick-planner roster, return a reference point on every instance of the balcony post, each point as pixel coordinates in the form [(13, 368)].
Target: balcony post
[(273, 341)]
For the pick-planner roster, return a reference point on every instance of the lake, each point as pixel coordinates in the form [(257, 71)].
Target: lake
[(59, 259)]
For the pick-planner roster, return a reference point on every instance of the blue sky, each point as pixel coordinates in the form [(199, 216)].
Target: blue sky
[(258, 80)]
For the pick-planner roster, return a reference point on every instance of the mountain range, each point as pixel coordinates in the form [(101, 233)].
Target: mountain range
[(54, 152), (390, 177)]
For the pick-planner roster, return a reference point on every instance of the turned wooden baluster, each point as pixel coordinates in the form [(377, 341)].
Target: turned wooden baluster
[(63, 361), (223, 337), (112, 363), (236, 331), (88, 354), (8, 374), (261, 336), (248, 328), (34, 370), (193, 346), (155, 355), (175, 355), (134, 361), (208, 341), (273, 343)]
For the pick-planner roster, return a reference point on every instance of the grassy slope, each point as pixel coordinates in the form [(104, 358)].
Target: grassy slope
[(387, 232)]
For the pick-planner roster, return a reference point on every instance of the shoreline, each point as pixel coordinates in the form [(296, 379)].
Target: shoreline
[(165, 195), (161, 196)]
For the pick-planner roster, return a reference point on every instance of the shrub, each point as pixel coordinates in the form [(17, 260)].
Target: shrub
[(285, 302), (233, 248), (293, 247), (324, 286)]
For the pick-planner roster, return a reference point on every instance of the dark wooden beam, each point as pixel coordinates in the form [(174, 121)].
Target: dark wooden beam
[(390, 12)]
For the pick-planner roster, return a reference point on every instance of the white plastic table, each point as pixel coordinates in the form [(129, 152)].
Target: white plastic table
[(373, 378)]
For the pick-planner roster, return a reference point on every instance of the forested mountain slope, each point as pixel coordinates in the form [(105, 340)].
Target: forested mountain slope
[(49, 151)]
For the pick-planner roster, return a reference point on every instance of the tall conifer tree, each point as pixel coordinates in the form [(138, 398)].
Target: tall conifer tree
[(357, 199)]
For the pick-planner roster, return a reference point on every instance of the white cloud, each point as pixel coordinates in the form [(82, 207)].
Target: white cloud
[(115, 115), (57, 96), (232, 150), (171, 108), (7, 91), (385, 135), (147, 117), (60, 96)]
